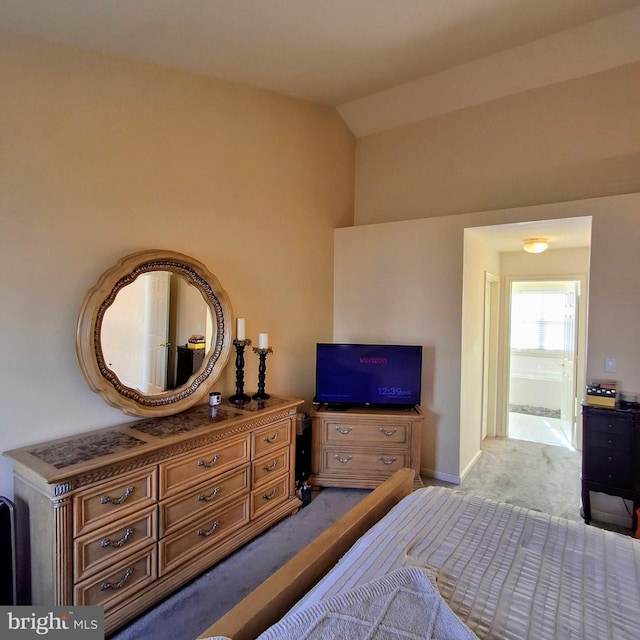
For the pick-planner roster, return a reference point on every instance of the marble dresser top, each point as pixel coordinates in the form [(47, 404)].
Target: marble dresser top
[(138, 436)]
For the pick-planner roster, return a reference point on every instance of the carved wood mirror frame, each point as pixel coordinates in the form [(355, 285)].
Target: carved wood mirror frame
[(100, 297)]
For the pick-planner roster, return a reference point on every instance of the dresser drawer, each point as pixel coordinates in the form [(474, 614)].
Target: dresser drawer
[(200, 536), (120, 582), (611, 440), (203, 498), (341, 432), (95, 507), (337, 461), (610, 424), (267, 468), (113, 543), (609, 466), (269, 439), (269, 496), (208, 462)]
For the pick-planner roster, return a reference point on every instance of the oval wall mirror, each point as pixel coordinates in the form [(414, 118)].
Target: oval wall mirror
[(154, 333)]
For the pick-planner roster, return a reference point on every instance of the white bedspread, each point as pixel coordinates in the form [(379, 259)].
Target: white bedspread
[(402, 605), (507, 572)]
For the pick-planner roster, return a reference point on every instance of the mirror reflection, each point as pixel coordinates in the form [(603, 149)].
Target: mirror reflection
[(157, 333), (154, 333)]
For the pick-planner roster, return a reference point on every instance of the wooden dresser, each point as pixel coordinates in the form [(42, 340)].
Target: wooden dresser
[(122, 516), (611, 455), (363, 447)]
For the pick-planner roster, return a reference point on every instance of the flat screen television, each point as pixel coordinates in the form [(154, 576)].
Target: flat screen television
[(377, 375)]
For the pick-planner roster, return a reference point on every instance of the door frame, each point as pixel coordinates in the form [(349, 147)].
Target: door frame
[(504, 372), (490, 355)]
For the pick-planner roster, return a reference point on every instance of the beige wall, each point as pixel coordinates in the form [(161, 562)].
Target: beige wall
[(403, 281), (551, 152), (566, 141), (573, 261), (396, 283), (100, 158), (479, 258)]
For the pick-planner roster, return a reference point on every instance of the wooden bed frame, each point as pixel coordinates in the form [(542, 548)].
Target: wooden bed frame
[(275, 596)]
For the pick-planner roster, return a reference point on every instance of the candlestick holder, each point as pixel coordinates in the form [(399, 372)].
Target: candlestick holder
[(262, 372), (240, 397)]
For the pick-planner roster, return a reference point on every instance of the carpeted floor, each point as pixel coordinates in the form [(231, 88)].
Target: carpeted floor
[(528, 474), (537, 476)]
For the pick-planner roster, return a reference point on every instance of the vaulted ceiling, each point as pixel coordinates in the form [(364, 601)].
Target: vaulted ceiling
[(381, 63), (328, 51)]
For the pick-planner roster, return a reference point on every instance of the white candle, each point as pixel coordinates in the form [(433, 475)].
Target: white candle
[(239, 328), (263, 340)]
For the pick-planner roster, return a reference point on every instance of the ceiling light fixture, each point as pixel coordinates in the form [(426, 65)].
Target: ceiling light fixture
[(535, 245)]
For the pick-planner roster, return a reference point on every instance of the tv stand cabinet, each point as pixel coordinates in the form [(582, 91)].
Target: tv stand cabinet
[(362, 447)]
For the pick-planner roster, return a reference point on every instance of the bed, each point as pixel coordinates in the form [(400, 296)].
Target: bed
[(442, 563)]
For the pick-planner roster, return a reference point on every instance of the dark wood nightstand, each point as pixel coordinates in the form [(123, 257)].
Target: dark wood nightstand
[(189, 361), (610, 455)]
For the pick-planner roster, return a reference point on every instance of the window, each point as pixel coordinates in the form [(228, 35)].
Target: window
[(537, 320)]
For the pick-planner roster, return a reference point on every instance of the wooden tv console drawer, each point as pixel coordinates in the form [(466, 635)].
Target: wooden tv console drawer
[(363, 447), (123, 516)]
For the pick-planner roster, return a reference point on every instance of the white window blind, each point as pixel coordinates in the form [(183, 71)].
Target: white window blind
[(537, 320)]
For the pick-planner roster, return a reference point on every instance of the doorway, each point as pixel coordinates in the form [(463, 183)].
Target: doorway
[(156, 331), (542, 360)]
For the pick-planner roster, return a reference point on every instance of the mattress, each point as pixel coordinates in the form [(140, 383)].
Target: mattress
[(507, 572)]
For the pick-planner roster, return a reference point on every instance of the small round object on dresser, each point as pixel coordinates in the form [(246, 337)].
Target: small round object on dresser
[(629, 400)]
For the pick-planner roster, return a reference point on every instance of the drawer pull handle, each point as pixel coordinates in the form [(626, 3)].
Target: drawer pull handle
[(108, 500), (391, 461), (105, 542), (344, 432), (387, 433), (343, 460), (210, 497), (209, 531), (271, 466), (105, 586), (273, 438), (271, 495), (208, 465)]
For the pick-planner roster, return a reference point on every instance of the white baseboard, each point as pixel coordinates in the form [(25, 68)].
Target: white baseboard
[(611, 509), (438, 475), (610, 518), (474, 460), (447, 477)]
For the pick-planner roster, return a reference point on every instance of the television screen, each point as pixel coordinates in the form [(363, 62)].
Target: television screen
[(368, 374)]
